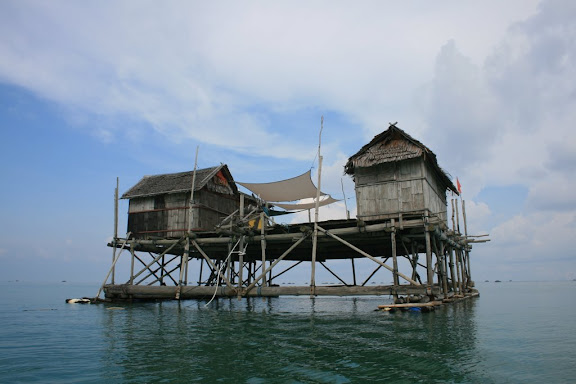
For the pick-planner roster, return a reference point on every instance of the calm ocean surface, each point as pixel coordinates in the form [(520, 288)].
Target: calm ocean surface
[(515, 332)]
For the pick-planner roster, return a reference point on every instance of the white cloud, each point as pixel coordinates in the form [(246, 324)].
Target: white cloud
[(494, 82), (207, 71)]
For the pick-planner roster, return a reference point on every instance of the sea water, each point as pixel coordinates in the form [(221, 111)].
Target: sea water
[(515, 332)]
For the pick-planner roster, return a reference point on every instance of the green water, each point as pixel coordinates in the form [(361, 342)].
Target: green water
[(512, 333)]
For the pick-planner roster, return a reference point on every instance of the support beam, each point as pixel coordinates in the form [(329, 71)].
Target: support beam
[(367, 255)]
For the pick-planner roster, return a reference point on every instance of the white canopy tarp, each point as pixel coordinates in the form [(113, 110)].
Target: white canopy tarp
[(293, 207), (296, 188)]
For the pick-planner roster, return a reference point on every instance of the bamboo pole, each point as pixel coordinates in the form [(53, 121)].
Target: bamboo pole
[(353, 272), (115, 228), (464, 218), (453, 222), (394, 258), (315, 235), (334, 274), (183, 259), (229, 261), (457, 219), (241, 252), (158, 292), (113, 265), (316, 211), (452, 274), (263, 241), (132, 264), (345, 203), (459, 270), (429, 269)]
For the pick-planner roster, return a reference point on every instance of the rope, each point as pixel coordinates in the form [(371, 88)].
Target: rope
[(243, 252)]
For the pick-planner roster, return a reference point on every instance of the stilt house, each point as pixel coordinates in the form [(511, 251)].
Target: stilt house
[(159, 205), (396, 175)]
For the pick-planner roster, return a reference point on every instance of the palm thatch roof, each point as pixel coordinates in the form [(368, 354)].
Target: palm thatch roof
[(395, 145), (178, 182)]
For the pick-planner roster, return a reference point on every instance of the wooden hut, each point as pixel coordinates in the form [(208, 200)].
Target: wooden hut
[(159, 205), (396, 174)]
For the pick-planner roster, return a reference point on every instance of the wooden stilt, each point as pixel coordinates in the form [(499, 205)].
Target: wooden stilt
[(394, 258), (315, 235), (131, 282), (263, 242), (113, 278), (429, 267), (459, 269), (452, 272), (241, 252)]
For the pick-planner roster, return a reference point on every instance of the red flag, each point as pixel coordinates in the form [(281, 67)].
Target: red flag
[(458, 186)]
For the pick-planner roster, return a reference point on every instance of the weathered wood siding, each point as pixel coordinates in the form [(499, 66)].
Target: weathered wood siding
[(387, 189), (166, 216), (211, 208)]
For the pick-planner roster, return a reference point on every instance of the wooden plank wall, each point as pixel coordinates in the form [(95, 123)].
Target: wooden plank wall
[(388, 189)]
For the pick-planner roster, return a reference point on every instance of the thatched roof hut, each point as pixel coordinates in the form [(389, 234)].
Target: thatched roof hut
[(395, 173), (159, 204)]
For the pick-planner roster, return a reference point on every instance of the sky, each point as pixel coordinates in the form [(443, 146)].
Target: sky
[(92, 91)]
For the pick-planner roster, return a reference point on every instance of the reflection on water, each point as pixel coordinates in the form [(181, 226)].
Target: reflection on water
[(515, 332), (288, 340)]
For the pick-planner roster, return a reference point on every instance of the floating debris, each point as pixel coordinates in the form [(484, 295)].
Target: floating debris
[(83, 300)]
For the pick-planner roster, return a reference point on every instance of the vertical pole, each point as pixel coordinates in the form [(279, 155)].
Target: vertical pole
[(315, 235), (453, 224), (186, 269), (241, 251), (162, 271), (442, 260), (316, 209), (115, 230), (452, 274), (457, 219), (263, 243), (459, 270), (201, 272), (429, 268), (353, 272), (414, 260), (464, 217), (394, 261), (467, 254), (229, 262), (189, 227), (132, 264), (183, 260), (345, 203)]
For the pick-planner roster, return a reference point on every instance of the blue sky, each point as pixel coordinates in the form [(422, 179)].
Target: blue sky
[(94, 91)]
